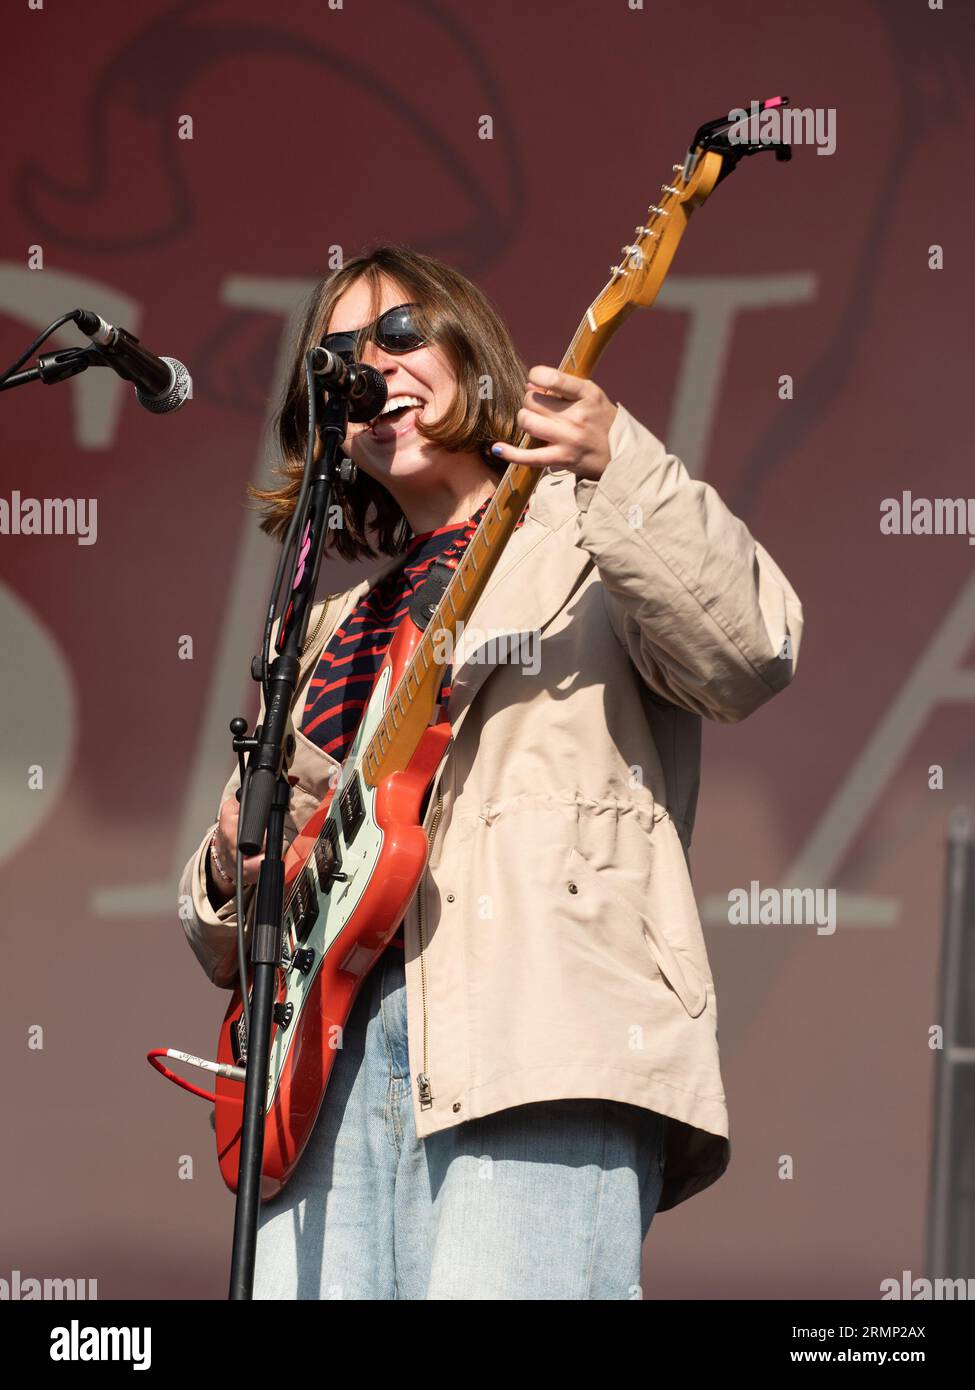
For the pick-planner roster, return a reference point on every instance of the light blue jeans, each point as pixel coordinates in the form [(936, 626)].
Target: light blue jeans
[(544, 1201)]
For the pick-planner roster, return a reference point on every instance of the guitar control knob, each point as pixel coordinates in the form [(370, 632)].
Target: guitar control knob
[(283, 1014), (304, 959)]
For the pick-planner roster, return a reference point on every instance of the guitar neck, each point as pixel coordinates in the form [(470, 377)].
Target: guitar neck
[(412, 702)]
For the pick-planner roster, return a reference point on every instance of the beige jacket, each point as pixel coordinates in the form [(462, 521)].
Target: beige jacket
[(554, 949)]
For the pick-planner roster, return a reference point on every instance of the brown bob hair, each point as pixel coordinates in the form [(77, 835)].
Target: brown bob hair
[(459, 319)]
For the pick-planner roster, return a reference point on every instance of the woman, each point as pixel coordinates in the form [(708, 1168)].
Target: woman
[(531, 1071)]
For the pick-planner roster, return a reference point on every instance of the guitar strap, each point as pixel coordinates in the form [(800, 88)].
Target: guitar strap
[(424, 602)]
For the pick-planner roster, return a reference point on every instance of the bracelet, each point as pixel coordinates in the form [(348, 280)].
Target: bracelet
[(229, 878)]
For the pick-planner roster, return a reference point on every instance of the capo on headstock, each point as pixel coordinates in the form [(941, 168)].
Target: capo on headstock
[(713, 135)]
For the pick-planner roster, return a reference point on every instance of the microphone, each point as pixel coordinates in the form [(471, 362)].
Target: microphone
[(364, 385), (162, 384)]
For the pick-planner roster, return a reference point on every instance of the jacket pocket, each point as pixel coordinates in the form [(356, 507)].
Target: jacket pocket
[(679, 972)]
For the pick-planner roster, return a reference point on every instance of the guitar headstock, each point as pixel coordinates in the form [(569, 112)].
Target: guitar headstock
[(713, 153)]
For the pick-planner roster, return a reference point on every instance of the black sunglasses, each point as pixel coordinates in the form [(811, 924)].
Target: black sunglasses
[(394, 331)]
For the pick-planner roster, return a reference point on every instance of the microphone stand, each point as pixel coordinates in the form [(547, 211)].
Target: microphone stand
[(57, 366), (265, 791), (264, 803)]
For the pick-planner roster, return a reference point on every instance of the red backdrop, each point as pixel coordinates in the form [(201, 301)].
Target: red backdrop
[(315, 128)]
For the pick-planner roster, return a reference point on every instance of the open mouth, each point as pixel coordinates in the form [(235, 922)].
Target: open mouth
[(397, 418)]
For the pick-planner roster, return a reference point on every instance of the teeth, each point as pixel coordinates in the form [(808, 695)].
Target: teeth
[(395, 402)]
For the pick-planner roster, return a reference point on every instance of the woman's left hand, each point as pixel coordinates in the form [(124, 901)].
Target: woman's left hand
[(571, 417)]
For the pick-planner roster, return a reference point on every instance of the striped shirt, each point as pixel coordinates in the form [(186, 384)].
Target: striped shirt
[(340, 687)]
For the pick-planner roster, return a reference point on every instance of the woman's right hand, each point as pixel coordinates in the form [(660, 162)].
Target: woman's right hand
[(225, 841)]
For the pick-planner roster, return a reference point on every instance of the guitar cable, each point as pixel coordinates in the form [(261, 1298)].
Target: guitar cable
[(220, 1068), (39, 341)]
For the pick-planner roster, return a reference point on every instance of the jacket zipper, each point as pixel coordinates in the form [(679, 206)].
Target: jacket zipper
[(318, 626), (423, 1080)]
